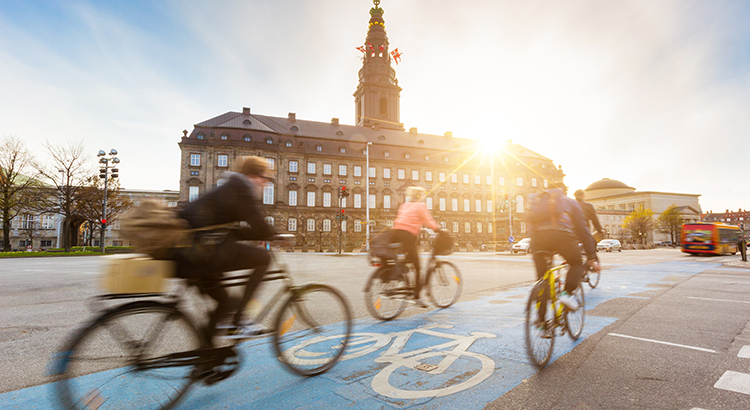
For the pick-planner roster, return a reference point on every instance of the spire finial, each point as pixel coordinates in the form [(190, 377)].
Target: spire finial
[(376, 9)]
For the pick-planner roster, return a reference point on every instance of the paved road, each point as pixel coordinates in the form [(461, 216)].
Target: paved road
[(662, 331)]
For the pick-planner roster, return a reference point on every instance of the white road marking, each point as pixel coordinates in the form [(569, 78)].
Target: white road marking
[(744, 352), (663, 343), (719, 300), (734, 381)]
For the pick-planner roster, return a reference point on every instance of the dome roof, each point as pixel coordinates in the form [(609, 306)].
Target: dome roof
[(607, 183)]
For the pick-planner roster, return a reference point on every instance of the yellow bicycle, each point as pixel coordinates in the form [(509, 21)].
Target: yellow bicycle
[(547, 317)]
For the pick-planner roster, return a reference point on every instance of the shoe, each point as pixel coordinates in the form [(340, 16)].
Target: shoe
[(546, 333), (568, 300), (244, 331), (416, 299)]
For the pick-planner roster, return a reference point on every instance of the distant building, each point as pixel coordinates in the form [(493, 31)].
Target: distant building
[(467, 185), (615, 200), (740, 218)]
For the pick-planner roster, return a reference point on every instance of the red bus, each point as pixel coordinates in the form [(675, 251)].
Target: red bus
[(710, 238)]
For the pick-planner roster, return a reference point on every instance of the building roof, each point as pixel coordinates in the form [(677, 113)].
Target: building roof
[(607, 183)]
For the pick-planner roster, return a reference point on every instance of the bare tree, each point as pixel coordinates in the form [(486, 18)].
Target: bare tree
[(29, 227), (67, 174), (92, 202), (639, 223), (17, 176), (670, 222)]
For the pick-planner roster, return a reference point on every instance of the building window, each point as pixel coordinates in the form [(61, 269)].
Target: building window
[(445, 159), (194, 173), (441, 176), (478, 204), (386, 173), (386, 154), (455, 227), (47, 222), (454, 178), (221, 160), (343, 226), (27, 222), (268, 193), (269, 140), (357, 225), (200, 136), (501, 181), (428, 202), (489, 205), (426, 157), (293, 166), (45, 243), (488, 180), (519, 181), (371, 200), (467, 227), (224, 137), (319, 148), (401, 174), (389, 223), (358, 200), (342, 170), (292, 227), (441, 203), (371, 172), (292, 198), (343, 202), (311, 199), (327, 199), (407, 155), (414, 175), (311, 225), (247, 139), (192, 193), (326, 169), (428, 176), (477, 179), (289, 143), (386, 202), (195, 160), (489, 227), (310, 167), (523, 227), (467, 203), (326, 225), (271, 163), (479, 227), (342, 150), (357, 171), (466, 178), (519, 204), (546, 183), (454, 204), (269, 220), (533, 182)]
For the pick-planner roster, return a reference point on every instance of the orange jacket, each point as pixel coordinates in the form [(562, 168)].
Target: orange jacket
[(412, 215)]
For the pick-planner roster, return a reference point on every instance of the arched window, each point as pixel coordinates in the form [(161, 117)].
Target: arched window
[(268, 193), (357, 225), (269, 220), (455, 227), (269, 140), (311, 225), (288, 143), (292, 227), (479, 227), (326, 225), (386, 154), (443, 225), (467, 227)]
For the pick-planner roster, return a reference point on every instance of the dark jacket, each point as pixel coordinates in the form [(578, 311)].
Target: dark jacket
[(231, 202), (589, 213), (569, 219)]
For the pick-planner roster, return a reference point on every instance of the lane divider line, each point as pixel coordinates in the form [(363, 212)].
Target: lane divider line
[(663, 343), (719, 300)]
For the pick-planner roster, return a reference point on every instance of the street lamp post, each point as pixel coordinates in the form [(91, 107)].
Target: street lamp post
[(367, 197), (105, 170)]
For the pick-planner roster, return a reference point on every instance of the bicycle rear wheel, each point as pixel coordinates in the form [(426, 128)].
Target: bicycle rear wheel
[(540, 325), (593, 278), (312, 330), (574, 320), (113, 363), (385, 296), (444, 284)]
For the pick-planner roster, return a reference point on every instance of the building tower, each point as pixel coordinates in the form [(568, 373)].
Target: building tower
[(377, 96)]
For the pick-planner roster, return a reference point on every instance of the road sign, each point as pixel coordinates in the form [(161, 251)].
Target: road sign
[(510, 239)]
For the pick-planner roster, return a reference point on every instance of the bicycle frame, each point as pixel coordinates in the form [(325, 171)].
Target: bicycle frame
[(552, 279)]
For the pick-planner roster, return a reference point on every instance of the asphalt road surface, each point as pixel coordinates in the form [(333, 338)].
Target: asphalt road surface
[(663, 331)]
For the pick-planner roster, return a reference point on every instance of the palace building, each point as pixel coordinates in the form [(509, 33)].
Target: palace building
[(477, 195)]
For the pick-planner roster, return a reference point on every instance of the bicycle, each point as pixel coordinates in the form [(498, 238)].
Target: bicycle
[(148, 353), (392, 284), (591, 276), (546, 317)]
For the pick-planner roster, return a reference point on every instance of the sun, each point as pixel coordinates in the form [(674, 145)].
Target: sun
[(490, 145)]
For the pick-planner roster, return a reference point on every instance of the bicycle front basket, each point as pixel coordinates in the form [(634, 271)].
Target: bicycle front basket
[(443, 243), (135, 273)]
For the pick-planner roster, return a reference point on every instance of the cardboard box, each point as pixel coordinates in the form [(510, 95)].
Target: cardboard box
[(135, 273)]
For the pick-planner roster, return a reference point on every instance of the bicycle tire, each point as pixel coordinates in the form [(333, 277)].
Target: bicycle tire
[(385, 297), (592, 277), (574, 321), (444, 284), (538, 348), (314, 315), (114, 378)]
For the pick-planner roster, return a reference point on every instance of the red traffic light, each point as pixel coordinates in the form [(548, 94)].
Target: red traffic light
[(104, 221)]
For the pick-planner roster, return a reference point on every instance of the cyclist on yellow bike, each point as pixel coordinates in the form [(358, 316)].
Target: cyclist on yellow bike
[(205, 262), (558, 225)]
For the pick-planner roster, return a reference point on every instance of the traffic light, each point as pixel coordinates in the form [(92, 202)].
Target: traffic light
[(102, 172), (344, 192), (343, 216), (114, 172), (104, 223)]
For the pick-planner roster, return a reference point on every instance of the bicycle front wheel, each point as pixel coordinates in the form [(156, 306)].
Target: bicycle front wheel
[(312, 330), (593, 278), (574, 320), (540, 325), (114, 362), (385, 295), (444, 284)]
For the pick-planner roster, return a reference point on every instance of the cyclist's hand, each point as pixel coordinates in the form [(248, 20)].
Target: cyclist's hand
[(593, 265)]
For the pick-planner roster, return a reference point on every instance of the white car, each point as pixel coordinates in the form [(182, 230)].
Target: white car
[(609, 245), (521, 246)]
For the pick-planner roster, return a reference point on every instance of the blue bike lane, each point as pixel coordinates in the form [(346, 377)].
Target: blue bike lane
[(461, 357)]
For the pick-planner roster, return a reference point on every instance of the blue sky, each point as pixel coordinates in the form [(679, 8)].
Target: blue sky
[(653, 93)]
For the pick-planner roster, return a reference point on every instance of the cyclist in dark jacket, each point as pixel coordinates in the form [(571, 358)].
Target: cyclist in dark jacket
[(234, 201), (589, 213), (558, 225)]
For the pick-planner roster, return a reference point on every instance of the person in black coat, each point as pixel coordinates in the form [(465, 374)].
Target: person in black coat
[(205, 262), (590, 214)]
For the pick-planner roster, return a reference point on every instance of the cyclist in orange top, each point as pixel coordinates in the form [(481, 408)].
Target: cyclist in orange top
[(412, 215)]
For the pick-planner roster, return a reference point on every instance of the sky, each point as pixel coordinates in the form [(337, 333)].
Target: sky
[(653, 93)]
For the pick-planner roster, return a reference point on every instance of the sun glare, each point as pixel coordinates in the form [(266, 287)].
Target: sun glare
[(490, 145)]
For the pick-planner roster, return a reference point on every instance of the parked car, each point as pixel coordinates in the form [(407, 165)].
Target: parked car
[(522, 245), (665, 243), (609, 245)]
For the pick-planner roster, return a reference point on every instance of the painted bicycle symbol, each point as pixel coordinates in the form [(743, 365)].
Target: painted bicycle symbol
[(423, 359)]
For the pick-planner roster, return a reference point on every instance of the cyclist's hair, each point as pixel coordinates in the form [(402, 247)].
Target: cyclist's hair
[(579, 194), (253, 166), (415, 193)]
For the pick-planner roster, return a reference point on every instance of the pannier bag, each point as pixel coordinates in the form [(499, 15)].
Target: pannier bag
[(133, 273), (443, 243), (155, 229)]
